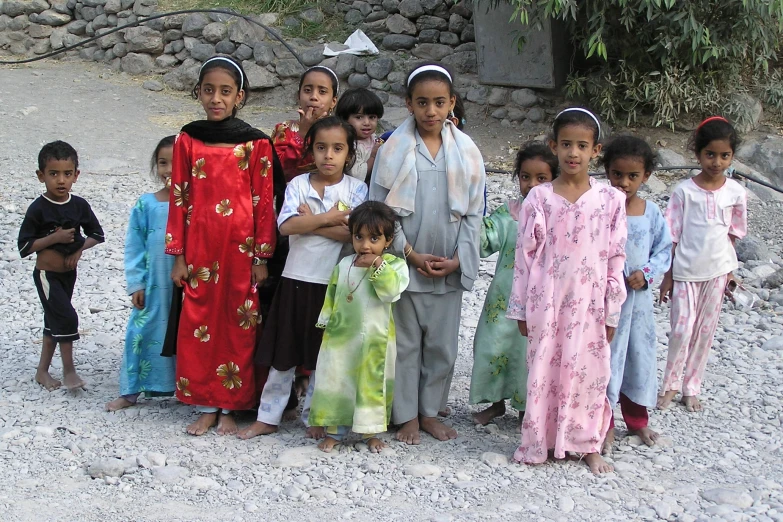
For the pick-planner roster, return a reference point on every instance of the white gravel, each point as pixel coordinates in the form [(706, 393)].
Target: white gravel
[(63, 458)]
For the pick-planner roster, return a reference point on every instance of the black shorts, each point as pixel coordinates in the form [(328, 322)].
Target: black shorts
[(55, 289)]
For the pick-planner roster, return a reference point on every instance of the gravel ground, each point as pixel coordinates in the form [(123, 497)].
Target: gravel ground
[(721, 464)]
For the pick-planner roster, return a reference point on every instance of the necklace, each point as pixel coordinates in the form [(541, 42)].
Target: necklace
[(349, 297)]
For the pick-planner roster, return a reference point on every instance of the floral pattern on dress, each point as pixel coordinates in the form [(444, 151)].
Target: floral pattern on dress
[(242, 153), (181, 193), (224, 208), (201, 334), (182, 386), (229, 372), (248, 315), (198, 169)]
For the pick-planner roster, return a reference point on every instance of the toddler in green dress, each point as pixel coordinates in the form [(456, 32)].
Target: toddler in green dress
[(499, 350)]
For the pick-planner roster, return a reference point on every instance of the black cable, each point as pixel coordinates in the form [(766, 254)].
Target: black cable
[(155, 17)]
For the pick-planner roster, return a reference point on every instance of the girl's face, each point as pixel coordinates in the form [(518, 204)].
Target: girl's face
[(574, 148), (219, 94), (715, 158), (365, 124), (430, 103), (317, 93), (330, 152), (366, 242), (533, 172), (163, 164), (627, 174)]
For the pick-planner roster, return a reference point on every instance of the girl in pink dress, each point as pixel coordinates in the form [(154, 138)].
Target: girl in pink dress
[(567, 293)]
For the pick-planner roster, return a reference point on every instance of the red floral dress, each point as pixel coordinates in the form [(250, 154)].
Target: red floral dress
[(289, 146), (221, 216)]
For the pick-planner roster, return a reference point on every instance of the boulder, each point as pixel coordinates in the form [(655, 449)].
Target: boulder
[(13, 8), (312, 15), (429, 36), (289, 69), (137, 63), (432, 51), (263, 53), (379, 68), (225, 47), (40, 31), (194, 24), (143, 39), (751, 248), (259, 77), (214, 32), (398, 24), (144, 7), (202, 52), (243, 52), (359, 80), (312, 56), (745, 112), (243, 32), (112, 6), (411, 8), (184, 77), (431, 22), (457, 24), (52, 17), (670, 158), (394, 42), (462, 62)]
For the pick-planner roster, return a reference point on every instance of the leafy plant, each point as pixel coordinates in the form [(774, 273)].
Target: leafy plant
[(663, 57)]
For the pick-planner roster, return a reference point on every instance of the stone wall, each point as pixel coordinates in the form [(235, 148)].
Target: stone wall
[(174, 47)]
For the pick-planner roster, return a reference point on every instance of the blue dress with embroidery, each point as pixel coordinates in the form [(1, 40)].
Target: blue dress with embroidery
[(633, 362), (148, 268)]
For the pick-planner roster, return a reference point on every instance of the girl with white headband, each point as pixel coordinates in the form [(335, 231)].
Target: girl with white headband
[(433, 176), (317, 97), (567, 294), (221, 230)]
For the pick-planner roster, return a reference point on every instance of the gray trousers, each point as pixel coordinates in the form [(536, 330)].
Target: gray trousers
[(427, 344)]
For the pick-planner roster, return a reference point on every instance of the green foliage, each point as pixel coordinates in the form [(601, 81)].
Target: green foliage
[(666, 57)]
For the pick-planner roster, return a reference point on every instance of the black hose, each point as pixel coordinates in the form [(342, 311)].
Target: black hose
[(155, 17)]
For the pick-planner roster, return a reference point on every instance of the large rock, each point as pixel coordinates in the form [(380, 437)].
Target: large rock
[(398, 24), (13, 8), (202, 52), (378, 69), (312, 56), (52, 17), (462, 62), (431, 22), (184, 77), (144, 7), (346, 64), (137, 63), (214, 32), (359, 80), (394, 42), (143, 39), (194, 24), (669, 158), (729, 497), (457, 24), (263, 53), (391, 6), (411, 8), (243, 32), (289, 69), (258, 77), (40, 31), (243, 52), (77, 27), (751, 248), (432, 51), (110, 40), (112, 6), (103, 468), (745, 112), (768, 157), (312, 15)]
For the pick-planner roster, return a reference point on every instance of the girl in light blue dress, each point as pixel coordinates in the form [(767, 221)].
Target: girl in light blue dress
[(147, 269)]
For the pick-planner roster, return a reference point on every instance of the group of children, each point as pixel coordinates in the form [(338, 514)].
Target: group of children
[(325, 262)]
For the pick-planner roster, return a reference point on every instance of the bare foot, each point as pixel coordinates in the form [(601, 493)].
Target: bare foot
[(328, 444), (409, 432), (72, 381), (485, 416), (256, 429), (444, 412), (597, 464), (315, 432), (691, 403), (226, 424), (665, 400), (647, 435), (202, 425), (437, 429), (120, 403), (289, 415), (375, 444), (301, 384), (47, 381), (608, 442)]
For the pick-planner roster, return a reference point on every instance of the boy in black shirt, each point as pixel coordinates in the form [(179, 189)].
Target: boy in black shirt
[(52, 228)]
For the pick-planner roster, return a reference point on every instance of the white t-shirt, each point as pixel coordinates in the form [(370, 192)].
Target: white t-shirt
[(701, 222), (311, 257)]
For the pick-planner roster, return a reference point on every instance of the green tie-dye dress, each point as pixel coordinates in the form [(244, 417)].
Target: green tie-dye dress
[(354, 383), (499, 350)]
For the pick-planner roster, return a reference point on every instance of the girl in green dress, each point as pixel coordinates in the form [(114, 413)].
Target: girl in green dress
[(499, 350)]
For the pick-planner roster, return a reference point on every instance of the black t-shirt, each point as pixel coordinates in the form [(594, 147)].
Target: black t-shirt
[(44, 216)]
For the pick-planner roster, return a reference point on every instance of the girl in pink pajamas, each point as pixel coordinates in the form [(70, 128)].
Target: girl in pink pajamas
[(567, 294), (706, 214)]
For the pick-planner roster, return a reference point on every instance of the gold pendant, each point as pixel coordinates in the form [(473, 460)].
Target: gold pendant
[(349, 297)]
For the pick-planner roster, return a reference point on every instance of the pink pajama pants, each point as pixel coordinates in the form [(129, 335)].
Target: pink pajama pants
[(694, 318)]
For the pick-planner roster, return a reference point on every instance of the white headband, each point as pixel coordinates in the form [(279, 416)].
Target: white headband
[(425, 68), (579, 109), (224, 59), (329, 71)]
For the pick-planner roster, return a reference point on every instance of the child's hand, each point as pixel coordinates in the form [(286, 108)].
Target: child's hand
[(636, 280), (367, 260), (610, 333), (423, 264), (444, 267), (522, 325), (179, 273), (138, 299), (72, 260), (64, 235), (375, 147), (666, 288), (304, 210), (258, 274), (335, 217), (306, 119)]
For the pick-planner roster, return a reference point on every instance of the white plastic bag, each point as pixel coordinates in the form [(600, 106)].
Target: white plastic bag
[(358, 43)]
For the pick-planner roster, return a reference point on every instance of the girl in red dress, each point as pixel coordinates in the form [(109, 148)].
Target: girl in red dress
[(318, 88), (221, 228)]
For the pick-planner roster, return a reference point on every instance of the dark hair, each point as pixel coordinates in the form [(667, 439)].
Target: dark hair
[(711, 130), (629, 147), (322, 69), (534, 150), (576, 117), (377, 216), (168, 141), (233, 71), (57, 150), (331, 122), (428, 76), (459, 111), (359, 101)]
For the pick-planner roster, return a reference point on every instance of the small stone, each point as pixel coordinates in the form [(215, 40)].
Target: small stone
[(433, 52), (106, 468), (243, 52), (293, 492), (289, 69), (170, 474), (423, 470), (225, 47), (378, 69), (263, 53), (535, 115), (725, 496), (515, 114), (670, 158), (194, 24), (51, 17), (156, 459), (411, 8), (359, 80), (313, 55), (450, 39), (398, 24), (202, 52), (202, 483), (429, 36), (478, 95), (499, 113), (431, 22), (494, 459), (457, 23), (662, 509), (154, 86), (353, 17), (394, 42), (292, 458), (773, 344), (566, 504), (250, 507), (323, 494), (137, 63), (214, 32), (524, 97), (45, 431), (312, 15), (498, 96)]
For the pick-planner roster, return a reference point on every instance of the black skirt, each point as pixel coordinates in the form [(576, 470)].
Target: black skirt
[(290, 337)]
